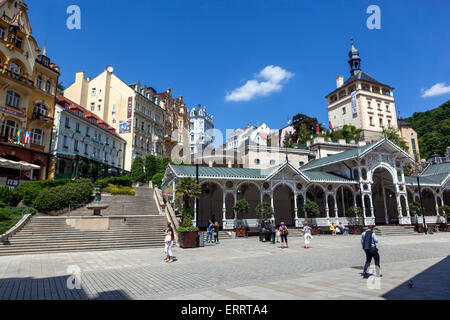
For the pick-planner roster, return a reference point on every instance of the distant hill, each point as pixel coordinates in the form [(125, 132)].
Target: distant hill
[(433, 129)]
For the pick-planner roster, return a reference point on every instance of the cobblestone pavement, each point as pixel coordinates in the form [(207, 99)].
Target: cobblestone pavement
[(237, 269)]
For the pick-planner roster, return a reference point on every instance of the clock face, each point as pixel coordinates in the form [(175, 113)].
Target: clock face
[(110, 69)]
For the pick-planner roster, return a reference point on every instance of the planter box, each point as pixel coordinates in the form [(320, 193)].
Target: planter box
[(314, 230), (355, 229), (188, 239), (240, 231)]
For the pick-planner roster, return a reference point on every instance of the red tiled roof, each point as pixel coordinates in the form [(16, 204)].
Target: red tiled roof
[(86, 114), (162, 95)]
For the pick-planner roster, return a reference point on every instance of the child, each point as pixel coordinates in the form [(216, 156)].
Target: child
[(307, 234)]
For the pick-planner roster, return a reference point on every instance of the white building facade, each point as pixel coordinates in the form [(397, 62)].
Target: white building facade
[(201, 129), (83, 144)]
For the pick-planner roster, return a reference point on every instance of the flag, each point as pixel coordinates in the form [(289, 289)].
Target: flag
[(18, 135), (317, 129), (331, 127)]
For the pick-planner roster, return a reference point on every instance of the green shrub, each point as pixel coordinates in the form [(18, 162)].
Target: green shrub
[(119, 190), (444, 211), (29, 191), (415, 209), (118, 181), (311, 208), (60, 197), (10, 197), (157, 179)]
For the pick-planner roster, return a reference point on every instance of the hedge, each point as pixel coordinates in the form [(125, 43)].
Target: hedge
[(29, 191), (119, 190), (118, 181), (157, 179), (63, 196), (10, 197)]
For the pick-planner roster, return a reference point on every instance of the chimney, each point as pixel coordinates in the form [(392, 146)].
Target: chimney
[(339, 81)]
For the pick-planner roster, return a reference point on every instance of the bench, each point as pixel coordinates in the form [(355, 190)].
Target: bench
[(252, 231)]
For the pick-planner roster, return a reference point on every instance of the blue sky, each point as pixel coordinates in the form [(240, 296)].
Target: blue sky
[(205, 49)]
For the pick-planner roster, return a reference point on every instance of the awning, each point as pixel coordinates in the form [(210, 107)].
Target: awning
[(19, 165)]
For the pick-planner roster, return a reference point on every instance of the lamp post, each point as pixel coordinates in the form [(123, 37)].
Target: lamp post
[(420, 198)]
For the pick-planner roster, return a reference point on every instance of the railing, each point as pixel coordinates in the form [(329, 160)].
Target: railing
[(19, 225), (167, 210)]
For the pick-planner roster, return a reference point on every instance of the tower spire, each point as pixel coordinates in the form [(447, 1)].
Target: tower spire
[(354, 59)]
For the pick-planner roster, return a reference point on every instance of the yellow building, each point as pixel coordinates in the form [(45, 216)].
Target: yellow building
[(134, 111), (28, 83), (409, 135)]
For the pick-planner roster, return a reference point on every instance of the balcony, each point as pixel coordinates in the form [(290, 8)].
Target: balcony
[(17, 76), (40, 116)]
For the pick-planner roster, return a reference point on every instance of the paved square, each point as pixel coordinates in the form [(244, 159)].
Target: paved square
[(237, 269)]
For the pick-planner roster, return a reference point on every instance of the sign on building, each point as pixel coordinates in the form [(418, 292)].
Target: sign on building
[(354, 107), (130, 107), (125, 126)]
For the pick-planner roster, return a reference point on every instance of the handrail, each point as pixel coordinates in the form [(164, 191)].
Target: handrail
[(19, 225), (167, 210)]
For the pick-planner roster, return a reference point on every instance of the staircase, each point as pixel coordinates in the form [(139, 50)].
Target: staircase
[(395, 231), (140, 227)]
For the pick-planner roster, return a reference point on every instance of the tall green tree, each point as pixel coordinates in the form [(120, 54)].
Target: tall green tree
[(151, 166), (187, 188), (137, 170), (304, 125)]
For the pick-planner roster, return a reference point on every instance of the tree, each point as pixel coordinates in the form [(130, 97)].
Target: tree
[(309, 126), (393, 136), (60, 88), (137, 170), (347, 132), (157, 179), (433, 129), (264, 211), (241, 207), (151, 166), (162, 164), (356, 213), (415, 209), (187, 188), (311, 208), (288, 142)]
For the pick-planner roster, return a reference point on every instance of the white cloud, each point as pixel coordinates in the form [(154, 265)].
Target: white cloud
[(437, 90), (267, 81)]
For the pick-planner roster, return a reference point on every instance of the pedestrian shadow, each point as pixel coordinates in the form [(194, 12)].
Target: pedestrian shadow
[(431, 284), (53, 288)]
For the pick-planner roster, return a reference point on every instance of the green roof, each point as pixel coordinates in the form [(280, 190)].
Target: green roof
[(349, 154), (436, 179), (255, 174), (437, 169), (318, 176), (220, 172)]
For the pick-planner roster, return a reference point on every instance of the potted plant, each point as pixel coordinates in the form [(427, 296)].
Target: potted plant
[(187, 188), (415, 210), (240, 207), (444, 212), (264, 211), (356, 215), (312, 211)]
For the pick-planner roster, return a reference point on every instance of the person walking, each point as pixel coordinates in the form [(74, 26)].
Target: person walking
[(273, 230), (369, 244), (216, 232), (209, 232), (307, 234), (284, 233), (168, 240)]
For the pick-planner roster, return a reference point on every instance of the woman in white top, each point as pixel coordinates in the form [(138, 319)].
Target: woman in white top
[(307, 234), (168, 239)]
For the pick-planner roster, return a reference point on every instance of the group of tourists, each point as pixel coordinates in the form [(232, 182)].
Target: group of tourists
[(212, 230), (340, 228), (280, 234)]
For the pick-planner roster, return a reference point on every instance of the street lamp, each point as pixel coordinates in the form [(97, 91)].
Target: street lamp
[(420, 198)]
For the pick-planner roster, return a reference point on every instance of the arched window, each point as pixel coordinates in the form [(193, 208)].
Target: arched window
[(40, 109), (39, 82), (15, 70), (37, 137), (48, 86), (12, 99), (10, 128)]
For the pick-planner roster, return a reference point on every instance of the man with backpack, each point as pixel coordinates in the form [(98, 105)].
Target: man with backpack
[(284, 234), (369, 244)]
